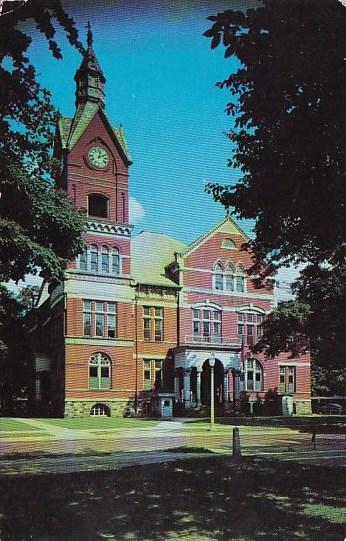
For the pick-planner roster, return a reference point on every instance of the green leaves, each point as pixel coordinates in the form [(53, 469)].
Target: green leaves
[(39, 227), (288, 133), (287, 125)]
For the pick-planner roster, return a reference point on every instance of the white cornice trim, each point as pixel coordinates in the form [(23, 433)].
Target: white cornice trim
[(247, 296), (110, 228)]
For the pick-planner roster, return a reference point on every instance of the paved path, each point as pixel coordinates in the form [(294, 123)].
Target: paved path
[(57, 449)]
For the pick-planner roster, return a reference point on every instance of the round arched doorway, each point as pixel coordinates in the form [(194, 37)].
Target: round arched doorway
[(218, 383)]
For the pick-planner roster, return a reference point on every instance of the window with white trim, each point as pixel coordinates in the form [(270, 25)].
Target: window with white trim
[(229, 244), (287, 383), (100, 259), (250, 327), (83, 259), (206, 325), (99, 371), (115, 261), (152, 324), (99, 319), (104, 259), (94, 258), (240, 280), (251, 375), (227, 279)]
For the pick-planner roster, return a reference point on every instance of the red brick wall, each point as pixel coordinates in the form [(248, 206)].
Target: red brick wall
[(77, 371), (112, 181)]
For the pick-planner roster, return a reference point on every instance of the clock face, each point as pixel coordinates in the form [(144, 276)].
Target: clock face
[(98, 157)]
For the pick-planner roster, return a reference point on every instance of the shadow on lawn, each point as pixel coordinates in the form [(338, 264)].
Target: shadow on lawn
[(194, 500)]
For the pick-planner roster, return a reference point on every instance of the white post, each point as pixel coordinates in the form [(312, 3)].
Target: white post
[(187, 390), (176, 386), (198, 387), (212, 398), (225, 387)]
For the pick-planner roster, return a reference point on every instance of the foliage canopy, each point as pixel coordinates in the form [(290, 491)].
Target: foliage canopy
[(38, 225), (288, 134)]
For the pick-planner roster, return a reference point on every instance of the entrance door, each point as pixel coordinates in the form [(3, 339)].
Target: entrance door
[(218, 383)]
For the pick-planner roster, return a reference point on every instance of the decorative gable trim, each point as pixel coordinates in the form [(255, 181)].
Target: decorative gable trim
[(220, 227)]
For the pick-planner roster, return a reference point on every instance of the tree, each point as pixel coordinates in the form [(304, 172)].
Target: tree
[(39, 228), (289, 133), (289, 128), (15, 356)]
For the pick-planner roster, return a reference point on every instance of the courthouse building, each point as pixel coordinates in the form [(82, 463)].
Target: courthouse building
[(139, 316)]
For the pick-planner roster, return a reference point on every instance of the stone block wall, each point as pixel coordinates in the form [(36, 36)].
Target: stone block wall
[(118, 408)]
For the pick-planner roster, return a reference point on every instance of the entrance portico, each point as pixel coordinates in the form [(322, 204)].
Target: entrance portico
[(192, 375)]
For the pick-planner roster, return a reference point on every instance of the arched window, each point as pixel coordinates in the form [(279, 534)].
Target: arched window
[(206, 325), (104, 259), (251, 375), (250, 328), (115, 261), (229, 278), (100, 409), (83, 259), (229, 244), (240, 280), (218, 277), (94, 258), (98, 205), (99, 371)]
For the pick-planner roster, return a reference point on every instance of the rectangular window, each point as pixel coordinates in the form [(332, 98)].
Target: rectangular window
[(240, 283), (100, 325), (99, 319), (229, 282), (219, 281), (152, 374), (111, 326), (105, 262), (83, 260), (153, 323), (206, 326), (287, 381), (158, 330), (94, 261), (87, 318)]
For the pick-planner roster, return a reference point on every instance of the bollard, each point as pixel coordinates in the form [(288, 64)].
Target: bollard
[(313, 439), (236, 444)]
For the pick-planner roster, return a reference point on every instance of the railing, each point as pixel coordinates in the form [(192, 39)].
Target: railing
[(211, 340)]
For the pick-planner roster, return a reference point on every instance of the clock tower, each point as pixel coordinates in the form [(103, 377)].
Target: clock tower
[(94, 162)]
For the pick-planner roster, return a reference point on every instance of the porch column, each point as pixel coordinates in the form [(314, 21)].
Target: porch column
[(198, 386), (176, 385), (187, 386), (226, 386)]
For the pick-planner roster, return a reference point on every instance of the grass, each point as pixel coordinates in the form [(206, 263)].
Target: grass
[(209, 499), (92, 423), (8, 424)]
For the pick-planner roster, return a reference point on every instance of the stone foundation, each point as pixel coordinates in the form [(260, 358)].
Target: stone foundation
[(117, 408), (302, 407)]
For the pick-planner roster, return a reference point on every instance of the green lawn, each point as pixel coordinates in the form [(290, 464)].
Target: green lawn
[(89, 423), (8, 424), (210, 499)]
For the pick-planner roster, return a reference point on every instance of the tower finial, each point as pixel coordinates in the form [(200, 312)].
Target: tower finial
[(90, 35)]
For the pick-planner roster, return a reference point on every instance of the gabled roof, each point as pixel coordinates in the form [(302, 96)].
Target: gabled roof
[(227, 225), (71, 129), (151, 253)]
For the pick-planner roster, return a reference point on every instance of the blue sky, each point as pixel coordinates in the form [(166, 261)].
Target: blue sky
[(161, 85)]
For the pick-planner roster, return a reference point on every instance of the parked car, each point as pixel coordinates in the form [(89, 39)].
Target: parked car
[(330, 409)]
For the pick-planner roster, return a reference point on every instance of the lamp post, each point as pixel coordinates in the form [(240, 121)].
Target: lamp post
[(212, 401)]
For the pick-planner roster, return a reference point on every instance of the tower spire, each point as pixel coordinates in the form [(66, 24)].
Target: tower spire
[(89, 77), (90, 36)]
